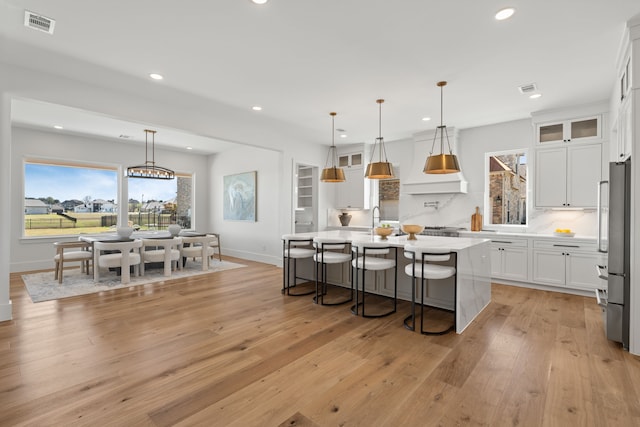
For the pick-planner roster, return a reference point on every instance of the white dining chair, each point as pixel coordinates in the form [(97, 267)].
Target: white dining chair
[(199, 247), (118, 254), (166, 251), (72, 252)]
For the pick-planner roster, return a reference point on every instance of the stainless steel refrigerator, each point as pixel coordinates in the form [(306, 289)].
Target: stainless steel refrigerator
[(614, 237)]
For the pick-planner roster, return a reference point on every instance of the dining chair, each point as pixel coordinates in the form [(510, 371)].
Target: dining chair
[(216, 244), (117, 254), (72, 252), (166, 251), (198, 247)]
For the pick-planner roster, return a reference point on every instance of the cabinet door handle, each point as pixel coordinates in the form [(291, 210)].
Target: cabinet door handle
[(501, 241), (556, 245)]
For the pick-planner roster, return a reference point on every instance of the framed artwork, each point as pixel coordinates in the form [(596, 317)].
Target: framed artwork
[(239, 197)]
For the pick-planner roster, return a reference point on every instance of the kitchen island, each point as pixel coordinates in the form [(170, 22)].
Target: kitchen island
[(472, 287)]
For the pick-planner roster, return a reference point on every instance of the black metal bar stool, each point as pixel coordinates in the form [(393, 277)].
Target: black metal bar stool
[(372, 256), (293, 248), (422, 268), (331, 251)]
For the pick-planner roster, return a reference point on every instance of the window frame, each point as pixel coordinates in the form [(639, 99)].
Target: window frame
[(486, 222), (52, 161)]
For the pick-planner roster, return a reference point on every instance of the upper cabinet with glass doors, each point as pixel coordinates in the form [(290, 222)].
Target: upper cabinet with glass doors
[(582, 129)]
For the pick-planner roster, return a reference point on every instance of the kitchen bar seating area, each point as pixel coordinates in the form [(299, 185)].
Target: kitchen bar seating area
[(460, 276)]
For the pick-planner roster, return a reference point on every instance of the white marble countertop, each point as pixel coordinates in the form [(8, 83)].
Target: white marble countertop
[(451, 243)]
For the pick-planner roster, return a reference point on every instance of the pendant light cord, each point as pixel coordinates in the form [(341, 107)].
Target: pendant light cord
[(442, 127)]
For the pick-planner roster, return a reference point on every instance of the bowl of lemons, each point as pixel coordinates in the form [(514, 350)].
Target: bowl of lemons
[(563, 232)]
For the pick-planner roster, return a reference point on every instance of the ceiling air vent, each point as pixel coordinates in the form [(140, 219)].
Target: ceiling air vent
[(525, 89), (39, 22)]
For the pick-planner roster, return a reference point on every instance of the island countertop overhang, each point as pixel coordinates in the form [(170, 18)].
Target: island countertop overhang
[(454, 244)]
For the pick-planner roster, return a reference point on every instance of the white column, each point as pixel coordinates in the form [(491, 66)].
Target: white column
[(5, 200)]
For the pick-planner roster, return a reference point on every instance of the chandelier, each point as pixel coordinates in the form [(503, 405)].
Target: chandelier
[(379, 169), (150, 169), (441, 163), (332, 173)]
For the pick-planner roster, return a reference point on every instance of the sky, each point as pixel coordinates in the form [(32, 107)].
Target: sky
[(67, 183)]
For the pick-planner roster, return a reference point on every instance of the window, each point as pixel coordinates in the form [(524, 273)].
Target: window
[(389, 199), (156, 203), (506, 188), (68, 198)]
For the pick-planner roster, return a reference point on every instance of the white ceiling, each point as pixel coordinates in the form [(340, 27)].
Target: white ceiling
[(301, 59)]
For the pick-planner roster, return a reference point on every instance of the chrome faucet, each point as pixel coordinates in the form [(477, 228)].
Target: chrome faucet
[(373, 217)]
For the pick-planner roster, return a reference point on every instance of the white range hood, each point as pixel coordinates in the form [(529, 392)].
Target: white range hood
[(419, 182)]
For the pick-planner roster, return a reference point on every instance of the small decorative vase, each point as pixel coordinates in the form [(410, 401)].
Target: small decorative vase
[(345, 218), (124, 232), (174, 229)]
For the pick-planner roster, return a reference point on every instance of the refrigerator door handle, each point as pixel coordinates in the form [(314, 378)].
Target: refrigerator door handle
[(599, 215)]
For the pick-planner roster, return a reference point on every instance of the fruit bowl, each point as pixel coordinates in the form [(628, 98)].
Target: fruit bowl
[(563, 232), (412, 230), (383, 232)]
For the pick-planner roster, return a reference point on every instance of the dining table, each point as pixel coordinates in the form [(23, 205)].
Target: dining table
[(113, 236)]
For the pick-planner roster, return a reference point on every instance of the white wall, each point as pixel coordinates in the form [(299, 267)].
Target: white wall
[(37, 253), (261, 240)]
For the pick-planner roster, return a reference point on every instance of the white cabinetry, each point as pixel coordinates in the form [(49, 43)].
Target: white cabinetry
[(351, 160), (625, 130), (355, 192), (577, 130), (570, 264), (509, 258), (568, 175)]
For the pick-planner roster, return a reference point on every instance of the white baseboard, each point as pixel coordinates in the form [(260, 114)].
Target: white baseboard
[(252, 256)]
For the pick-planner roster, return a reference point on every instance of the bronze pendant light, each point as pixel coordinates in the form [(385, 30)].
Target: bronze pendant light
[(441, 163), (150, 170), (379, 169), (332, 173)]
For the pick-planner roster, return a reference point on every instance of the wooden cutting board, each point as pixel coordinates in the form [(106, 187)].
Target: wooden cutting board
[(476, 220)]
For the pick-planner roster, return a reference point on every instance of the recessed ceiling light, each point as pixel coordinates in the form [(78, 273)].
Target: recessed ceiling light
[(505, 13), (58, 127), (344, 135), (256, 108), (426, 119), (535, 96), (259, 1), (189, 148), (155, 76)]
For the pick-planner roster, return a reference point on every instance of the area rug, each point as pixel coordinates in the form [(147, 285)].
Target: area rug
[(43, 286)]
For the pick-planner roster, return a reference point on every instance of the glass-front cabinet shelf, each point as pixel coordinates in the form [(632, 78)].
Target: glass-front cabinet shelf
[(350, 160), (577, 130)]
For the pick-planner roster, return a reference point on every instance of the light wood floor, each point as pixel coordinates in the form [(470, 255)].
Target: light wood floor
[(227, 349)]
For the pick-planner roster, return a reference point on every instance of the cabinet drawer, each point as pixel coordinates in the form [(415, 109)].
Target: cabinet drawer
[(509, 242), (566, 244)]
